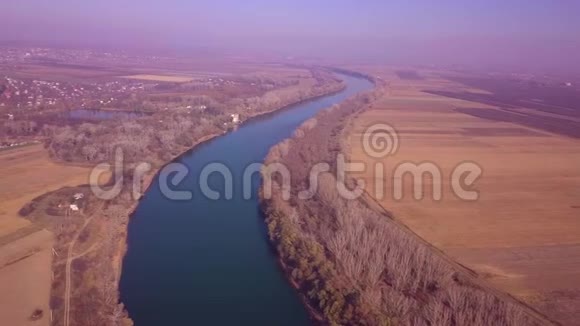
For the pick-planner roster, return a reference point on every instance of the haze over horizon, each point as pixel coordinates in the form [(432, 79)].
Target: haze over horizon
[(538, 35)]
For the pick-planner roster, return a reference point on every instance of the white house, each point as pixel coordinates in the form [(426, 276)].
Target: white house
[(74, 207)]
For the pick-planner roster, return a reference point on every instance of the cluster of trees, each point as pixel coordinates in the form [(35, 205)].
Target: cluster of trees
[(267, 82), (140, 140), (19, 128), (305, 260), (324, 83), (159, 137), (356, 266)]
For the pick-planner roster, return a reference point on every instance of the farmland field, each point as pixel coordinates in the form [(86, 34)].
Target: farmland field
[(161, 78), (26, 174), (25, 274), (63, 72), (25, 248), (522, 234)]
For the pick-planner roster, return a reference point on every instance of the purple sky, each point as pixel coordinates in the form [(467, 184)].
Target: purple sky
[(545, 33)]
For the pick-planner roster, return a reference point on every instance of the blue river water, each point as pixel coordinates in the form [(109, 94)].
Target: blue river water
[(208, 262)]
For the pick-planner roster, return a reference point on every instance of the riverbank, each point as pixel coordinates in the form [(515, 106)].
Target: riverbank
[(352, 264), (329, 299)]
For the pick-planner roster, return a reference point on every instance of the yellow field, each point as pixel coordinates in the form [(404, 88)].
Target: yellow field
[(61, 72), (25, 278), (25, 249), (161, 78), (523, 233), (26, 174)]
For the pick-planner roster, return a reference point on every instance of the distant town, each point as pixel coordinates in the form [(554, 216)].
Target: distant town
[(26, 82)]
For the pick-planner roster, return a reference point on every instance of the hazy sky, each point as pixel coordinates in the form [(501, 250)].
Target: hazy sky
[(542, 32)]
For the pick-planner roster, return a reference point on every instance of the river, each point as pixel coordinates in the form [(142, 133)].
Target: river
[(208, 262)]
